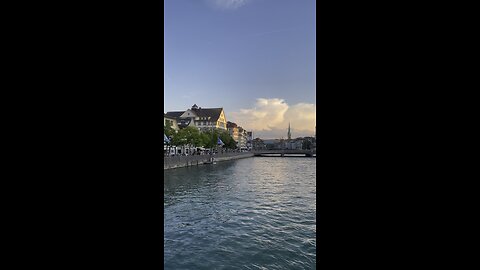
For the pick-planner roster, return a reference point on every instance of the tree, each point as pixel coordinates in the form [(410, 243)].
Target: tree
[(210, 138), (169, 131), (179, 139), (189, 136), (192, 136), (307, 144), (206, 138), (228, 141)]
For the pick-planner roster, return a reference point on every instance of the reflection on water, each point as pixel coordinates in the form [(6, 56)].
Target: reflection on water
[(254, 213)]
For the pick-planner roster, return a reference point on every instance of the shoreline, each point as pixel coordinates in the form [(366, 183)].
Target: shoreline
[(187, 161)]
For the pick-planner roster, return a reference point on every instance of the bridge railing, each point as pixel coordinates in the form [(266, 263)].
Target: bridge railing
[(283, 151)]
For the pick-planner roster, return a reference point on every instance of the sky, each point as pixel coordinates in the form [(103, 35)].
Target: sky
[(254, 58)]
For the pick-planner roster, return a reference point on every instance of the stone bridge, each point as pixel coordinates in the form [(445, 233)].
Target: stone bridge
[(283, 152)]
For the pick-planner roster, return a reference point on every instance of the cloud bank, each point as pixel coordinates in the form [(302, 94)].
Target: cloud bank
[(269, 118), (227, 4)]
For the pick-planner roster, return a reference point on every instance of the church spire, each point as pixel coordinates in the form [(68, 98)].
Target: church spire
[(289, 134)]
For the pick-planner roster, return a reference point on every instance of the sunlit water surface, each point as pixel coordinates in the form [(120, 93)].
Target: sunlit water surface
[(253, 213)]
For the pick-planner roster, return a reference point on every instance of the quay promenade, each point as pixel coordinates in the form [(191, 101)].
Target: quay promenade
[(185, 161)]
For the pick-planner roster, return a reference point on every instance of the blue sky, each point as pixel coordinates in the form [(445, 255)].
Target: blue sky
[(254, 58)]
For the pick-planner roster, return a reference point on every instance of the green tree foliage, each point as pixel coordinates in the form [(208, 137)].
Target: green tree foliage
[(208, 139), (193, 136), (307, 144), (187, 136), (227, 140), (169, 131), (179, 139)]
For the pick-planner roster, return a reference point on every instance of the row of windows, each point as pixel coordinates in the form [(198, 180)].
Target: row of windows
[(205, 123)]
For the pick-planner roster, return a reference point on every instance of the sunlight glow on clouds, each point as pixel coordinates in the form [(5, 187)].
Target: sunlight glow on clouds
[(269, 118)]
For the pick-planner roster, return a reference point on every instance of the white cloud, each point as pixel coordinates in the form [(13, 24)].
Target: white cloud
[(227, 4), (269, 118)]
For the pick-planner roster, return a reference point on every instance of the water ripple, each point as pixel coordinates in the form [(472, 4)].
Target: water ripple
[(256, 213)]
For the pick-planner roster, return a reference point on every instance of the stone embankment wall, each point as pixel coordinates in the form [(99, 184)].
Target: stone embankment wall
[(185, 161)]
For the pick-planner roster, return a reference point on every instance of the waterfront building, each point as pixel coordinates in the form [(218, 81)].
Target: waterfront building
[(275, 144), (170, 121), (292, 144), (258, 144), (297, 144), (249, 139), (242, 138), (233, 131), (201, 118), (238, 134), (306, 143)]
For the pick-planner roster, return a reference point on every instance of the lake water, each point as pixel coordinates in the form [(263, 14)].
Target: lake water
[(253, 213)]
